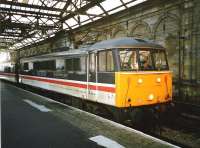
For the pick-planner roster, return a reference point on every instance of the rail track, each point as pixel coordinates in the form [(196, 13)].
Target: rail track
[(188, 108)]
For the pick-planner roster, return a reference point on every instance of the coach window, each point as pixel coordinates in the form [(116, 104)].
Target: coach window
[(83, 64), (25, 66), (92, 62), (79, 65), (69, 64), (44, 68), (45, 65), (105, 61), (76, 64)]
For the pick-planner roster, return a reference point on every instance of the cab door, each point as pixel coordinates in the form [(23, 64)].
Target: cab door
[(92, 77)]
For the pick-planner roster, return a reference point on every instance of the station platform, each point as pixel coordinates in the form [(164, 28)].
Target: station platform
[(33, 121)]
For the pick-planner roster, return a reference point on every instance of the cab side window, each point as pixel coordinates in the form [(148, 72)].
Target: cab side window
[(69, 64), (105, 61), (109, 61), (79, 64), (102, 61), (75, 64), (92, 62), (25, 66)]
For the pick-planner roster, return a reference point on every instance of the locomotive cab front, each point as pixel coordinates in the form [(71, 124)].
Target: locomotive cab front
[(143, 78)]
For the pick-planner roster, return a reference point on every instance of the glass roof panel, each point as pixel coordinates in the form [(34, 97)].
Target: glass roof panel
[(25, 20), (28, 9), (43, 19), (135, 3), (95, 10), (7, 6), (83, 17), (65, 26), (71, 22), (49, 22), (31, 18), (80, 3), (24, 1), (71, 8), (126, 1), (60, 5), (110, 4), (14, 17), (52, 35), (32, 2)]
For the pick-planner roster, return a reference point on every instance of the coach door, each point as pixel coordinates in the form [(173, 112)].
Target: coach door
[(92, 77)]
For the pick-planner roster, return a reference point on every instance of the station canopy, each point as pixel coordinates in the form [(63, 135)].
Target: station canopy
[(24, 22)]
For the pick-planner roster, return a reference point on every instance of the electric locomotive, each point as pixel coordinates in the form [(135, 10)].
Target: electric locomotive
[(118, 76)]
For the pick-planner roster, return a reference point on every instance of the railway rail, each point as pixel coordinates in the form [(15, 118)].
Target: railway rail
[(193, 110)]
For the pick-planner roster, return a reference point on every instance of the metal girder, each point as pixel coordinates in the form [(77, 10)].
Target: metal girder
[(123, 3), (29, 12), (30, 6), (6, 41), (15, 25), (10, 34), (3, 47), (81, 10), (11, 13), (65, 7)]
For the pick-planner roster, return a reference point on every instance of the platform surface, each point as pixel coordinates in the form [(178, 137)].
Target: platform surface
[(32, 121)]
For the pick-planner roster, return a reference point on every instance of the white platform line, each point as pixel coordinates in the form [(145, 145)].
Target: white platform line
[(106, 142), (42, 108)]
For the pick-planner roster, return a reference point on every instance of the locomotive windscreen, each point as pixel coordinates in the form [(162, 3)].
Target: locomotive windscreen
[(142, 59)]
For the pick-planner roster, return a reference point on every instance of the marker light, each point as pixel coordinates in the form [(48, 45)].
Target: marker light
[(151, 97), (140, 81), (158, 80)]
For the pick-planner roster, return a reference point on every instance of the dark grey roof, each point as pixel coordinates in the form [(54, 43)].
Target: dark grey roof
[(124, 43), (62, 54)]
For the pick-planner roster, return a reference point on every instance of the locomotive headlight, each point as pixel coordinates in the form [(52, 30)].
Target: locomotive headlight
[(158, 80), (140, 81), (151, 97)]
